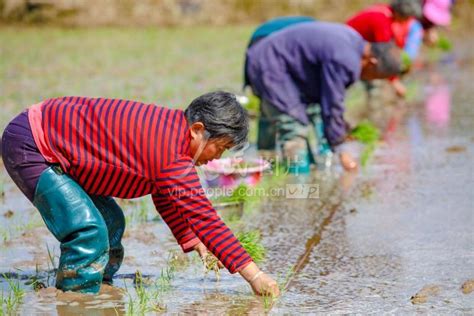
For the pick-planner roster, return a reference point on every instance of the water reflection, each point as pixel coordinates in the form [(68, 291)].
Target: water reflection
[(438, 103)]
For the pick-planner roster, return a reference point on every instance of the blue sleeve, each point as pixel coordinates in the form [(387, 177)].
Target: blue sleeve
[(414, 39), (333, 89)]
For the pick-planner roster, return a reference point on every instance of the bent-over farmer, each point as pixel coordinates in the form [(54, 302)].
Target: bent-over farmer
[(312, 63), (70, 156)]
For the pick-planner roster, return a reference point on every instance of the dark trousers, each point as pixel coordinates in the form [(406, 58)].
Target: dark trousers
[(89, 228)]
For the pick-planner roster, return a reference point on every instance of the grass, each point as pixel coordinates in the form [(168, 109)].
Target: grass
[(169, 66)]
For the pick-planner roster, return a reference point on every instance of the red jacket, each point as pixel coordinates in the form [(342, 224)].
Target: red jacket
[(376, 24), (128, 149)]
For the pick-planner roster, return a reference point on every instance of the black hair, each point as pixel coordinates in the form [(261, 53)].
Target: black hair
[(407, 8), (388, 58), (222, 116)]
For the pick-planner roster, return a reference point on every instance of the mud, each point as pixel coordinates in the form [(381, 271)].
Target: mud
[(468, 287), (455, 149), (425, 294)]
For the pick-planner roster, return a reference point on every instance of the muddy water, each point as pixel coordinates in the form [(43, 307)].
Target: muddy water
[(397, 237), (413, 236)]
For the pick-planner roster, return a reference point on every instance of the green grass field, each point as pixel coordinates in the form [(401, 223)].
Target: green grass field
[(157, 65), (168, 66)]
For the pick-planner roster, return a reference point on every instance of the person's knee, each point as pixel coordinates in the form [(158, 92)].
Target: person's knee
[(99, 239)]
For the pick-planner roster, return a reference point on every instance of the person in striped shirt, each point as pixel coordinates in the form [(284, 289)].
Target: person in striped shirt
[(71, 155)]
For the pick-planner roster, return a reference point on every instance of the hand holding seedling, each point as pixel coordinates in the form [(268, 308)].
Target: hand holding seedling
[(204, 254), (261, 283)]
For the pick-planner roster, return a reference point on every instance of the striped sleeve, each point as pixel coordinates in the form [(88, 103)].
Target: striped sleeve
[(180, 183), (180, 229)]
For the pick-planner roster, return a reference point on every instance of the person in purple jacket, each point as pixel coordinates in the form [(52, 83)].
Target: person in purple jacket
[(308, 64)]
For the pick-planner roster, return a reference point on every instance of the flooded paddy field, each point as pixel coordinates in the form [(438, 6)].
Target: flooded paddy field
[(397, 237)]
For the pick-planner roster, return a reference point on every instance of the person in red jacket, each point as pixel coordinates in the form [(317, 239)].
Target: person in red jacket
[(388, 22), (71, 155)]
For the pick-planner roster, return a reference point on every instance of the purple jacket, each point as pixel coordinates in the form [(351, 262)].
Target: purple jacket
[(304, 64)]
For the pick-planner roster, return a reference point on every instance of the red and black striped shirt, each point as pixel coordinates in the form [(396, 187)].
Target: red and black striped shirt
[(128, 149)]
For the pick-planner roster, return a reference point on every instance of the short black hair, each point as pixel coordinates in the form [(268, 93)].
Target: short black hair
[(407, 8), (222, 116), (388, 58)]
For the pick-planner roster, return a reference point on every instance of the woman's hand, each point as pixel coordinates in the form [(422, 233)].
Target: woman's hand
[(431, 36), (261, 283), (399, 88), (347, 161), (203, 253)]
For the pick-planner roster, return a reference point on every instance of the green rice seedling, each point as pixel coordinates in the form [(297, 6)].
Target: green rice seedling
[(369, 135), (239, 195), (5, 234), (164, 281), (52, 259), (137, 305), (143, 208), (34, 280), (252, 243), (131, 307), (177, 260), (406, 62), (253, 104), (268, 301), (284, 281), (366, 132), (444, 44), (156, 305), (146, 299), (211, 263), (14, 298), (141, 291), (52, 267)]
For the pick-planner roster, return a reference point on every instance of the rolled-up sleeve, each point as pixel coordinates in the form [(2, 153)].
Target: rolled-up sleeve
[(179, 182)]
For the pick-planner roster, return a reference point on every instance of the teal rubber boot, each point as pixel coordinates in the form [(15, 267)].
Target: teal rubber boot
[(323, 146), (72, 217), (115, 221)]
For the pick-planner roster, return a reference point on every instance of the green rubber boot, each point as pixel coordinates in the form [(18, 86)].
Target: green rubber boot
[(72, 217), (115, 221)]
